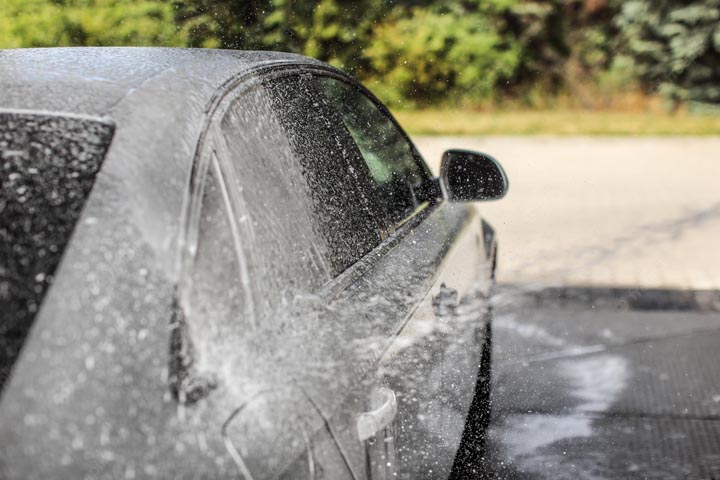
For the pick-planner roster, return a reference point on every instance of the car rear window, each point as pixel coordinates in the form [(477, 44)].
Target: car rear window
[(49, 164)]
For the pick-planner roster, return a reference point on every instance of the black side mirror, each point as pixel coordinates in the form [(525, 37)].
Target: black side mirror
[(470, 176)]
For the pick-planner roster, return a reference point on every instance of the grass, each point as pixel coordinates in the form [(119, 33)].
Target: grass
[(556, 122)]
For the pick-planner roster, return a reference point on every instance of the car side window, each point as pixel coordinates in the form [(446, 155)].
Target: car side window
[(302, 211), (396, 170)]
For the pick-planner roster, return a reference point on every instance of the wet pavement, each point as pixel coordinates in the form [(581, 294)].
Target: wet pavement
[(591, 386)]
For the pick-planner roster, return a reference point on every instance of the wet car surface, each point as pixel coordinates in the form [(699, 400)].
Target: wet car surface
[(257, 275)]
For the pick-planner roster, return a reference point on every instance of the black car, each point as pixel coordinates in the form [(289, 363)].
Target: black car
[(232, 264)]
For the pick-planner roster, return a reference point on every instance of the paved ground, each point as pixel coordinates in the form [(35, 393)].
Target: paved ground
[(598, 211), (586, 393), (603, 376)]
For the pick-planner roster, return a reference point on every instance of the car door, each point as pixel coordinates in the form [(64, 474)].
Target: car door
[(422, 294)]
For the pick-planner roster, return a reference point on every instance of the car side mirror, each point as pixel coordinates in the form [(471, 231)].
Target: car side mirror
[(470, 176)]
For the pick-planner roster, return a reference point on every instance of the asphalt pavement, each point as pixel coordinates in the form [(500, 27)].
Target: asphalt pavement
[(630, 212), (586, 391), (606, 348)]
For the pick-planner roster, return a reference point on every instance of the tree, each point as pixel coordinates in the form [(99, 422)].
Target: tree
[(675, 46), (433, 54), (566, 44), (41, 23), (335, 31)]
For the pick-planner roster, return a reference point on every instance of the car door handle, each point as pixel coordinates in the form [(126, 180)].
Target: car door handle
[(371, 423)]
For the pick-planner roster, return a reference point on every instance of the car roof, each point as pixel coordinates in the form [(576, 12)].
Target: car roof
[(94, 80)]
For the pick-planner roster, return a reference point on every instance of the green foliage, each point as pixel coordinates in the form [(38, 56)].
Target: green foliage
[(39, 23), (675, 47), (335, 31), (433, 54), (421, 52), (566, 43), (340, 31), (222, 23)]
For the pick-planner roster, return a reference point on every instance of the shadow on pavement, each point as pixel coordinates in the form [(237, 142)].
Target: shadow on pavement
[(622, 298)]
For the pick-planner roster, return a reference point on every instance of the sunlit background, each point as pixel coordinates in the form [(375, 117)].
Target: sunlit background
[(639, 66), (606, 116)]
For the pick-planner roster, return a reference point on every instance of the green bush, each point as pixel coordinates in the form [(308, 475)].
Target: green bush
[(675, 47), (335, 31), (566, 45), (42, 23), (430, 56)]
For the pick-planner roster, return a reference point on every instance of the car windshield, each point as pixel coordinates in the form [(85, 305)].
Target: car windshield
[(49, 165)]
